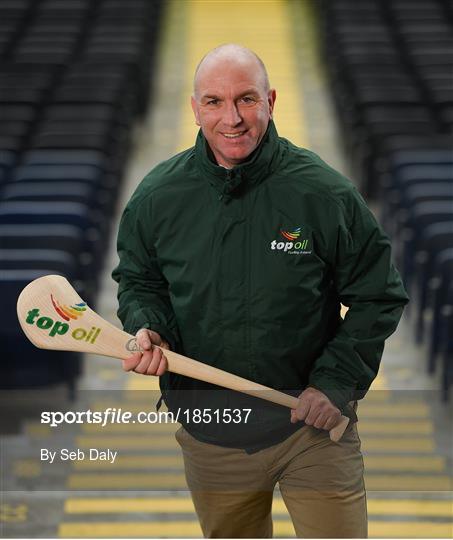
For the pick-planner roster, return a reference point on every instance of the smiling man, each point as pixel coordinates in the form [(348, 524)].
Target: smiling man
[(238, 252), (232, 103)]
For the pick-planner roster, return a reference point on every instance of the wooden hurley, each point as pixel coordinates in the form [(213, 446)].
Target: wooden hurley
[(53, 316)]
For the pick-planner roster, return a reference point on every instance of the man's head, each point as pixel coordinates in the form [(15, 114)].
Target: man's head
[(232, 102)]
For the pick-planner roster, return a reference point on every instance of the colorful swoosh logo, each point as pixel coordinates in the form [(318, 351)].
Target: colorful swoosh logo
[(293, 235), (69, 312)]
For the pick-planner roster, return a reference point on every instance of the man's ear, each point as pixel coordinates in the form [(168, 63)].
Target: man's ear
[(271, 97), (194, 104)]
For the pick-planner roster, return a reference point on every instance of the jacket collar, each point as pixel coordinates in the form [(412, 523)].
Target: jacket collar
[(260, 164)]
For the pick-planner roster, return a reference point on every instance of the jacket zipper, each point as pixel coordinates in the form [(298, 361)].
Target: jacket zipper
[(228, 179), (248, 258)]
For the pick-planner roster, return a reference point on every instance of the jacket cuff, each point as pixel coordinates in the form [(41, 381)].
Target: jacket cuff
[(339, 394), (164, 333)]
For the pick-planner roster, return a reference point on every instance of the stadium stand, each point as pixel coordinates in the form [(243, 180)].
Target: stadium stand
[(75, 76), (390, 66)]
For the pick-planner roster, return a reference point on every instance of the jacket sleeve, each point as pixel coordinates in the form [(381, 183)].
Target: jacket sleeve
[(367, 282), (143, 295)]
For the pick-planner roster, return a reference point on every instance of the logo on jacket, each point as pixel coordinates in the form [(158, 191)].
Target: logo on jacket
[(292, 246), (294, 235)]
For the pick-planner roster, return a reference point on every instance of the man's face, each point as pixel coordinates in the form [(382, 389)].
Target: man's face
[(233, 108)]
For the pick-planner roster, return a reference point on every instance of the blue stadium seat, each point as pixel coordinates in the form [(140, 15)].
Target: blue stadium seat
[(446, 345), (74, 76), (437, 297)]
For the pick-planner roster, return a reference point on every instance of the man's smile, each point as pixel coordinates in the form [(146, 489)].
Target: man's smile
[(233, 135)]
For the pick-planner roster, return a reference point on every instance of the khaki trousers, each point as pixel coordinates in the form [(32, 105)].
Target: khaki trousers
[(321, 484)]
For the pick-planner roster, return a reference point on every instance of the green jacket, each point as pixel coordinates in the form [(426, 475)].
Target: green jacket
[(245, 269)]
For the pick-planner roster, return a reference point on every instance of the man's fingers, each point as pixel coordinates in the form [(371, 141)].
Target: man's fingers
[(144, 363), (163, 366), (151, 361), (143, 339), (320, 415), (312, 416), (303, 410), (130, 363), (147, 338), (155, 337), (332, 421), (147, 363), (320, 421), (155, 361), (316, 410), (324, 419)]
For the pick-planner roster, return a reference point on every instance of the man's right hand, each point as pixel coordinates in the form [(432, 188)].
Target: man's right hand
[(151, 361)]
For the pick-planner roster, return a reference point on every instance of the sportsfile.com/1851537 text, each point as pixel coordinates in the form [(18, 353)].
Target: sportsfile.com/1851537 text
[(111, 415)]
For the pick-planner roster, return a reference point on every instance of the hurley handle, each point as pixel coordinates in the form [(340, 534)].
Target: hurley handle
[(53, 316)]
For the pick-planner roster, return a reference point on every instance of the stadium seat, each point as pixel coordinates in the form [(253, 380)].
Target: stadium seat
[(74, 78)]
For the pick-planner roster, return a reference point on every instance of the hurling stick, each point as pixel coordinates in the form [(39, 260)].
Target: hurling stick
[(53, 316)]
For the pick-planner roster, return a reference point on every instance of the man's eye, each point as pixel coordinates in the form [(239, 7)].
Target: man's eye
[(248, 99), (213, 102)]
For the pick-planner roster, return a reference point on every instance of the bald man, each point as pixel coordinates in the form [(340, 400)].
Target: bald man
[(238, 252)]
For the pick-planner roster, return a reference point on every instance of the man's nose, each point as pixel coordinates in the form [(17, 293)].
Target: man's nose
[(232, 116)]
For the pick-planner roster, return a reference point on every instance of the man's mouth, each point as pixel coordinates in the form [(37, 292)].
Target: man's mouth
[(233, 135)]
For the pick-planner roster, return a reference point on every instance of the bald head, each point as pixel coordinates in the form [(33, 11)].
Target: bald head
[(225, 55), (232, 102)]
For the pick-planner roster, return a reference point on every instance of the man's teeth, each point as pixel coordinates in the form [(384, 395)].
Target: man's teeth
[(233, 135)]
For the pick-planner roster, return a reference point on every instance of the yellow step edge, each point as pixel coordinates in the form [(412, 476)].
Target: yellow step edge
[(126, 481), (167, 441), (373, 482), (378, 396), (144, 462), (393, 410), (405, 463), (409, 427), (116, 443), (398, 482), (395, 444), (184, 529), (133, 529), (160, 426), (398, 463), (410, 507), (128, 505), (32, 468), (156, 425), (157, 428), (27, 468), (110, 374), (409, 529), (177, 505), (36, 430), (137, 382)]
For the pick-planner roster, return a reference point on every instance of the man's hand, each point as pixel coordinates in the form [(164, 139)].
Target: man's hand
[(316, 410), (151, 361)]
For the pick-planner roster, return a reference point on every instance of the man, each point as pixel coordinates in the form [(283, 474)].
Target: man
[(238, 252)]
